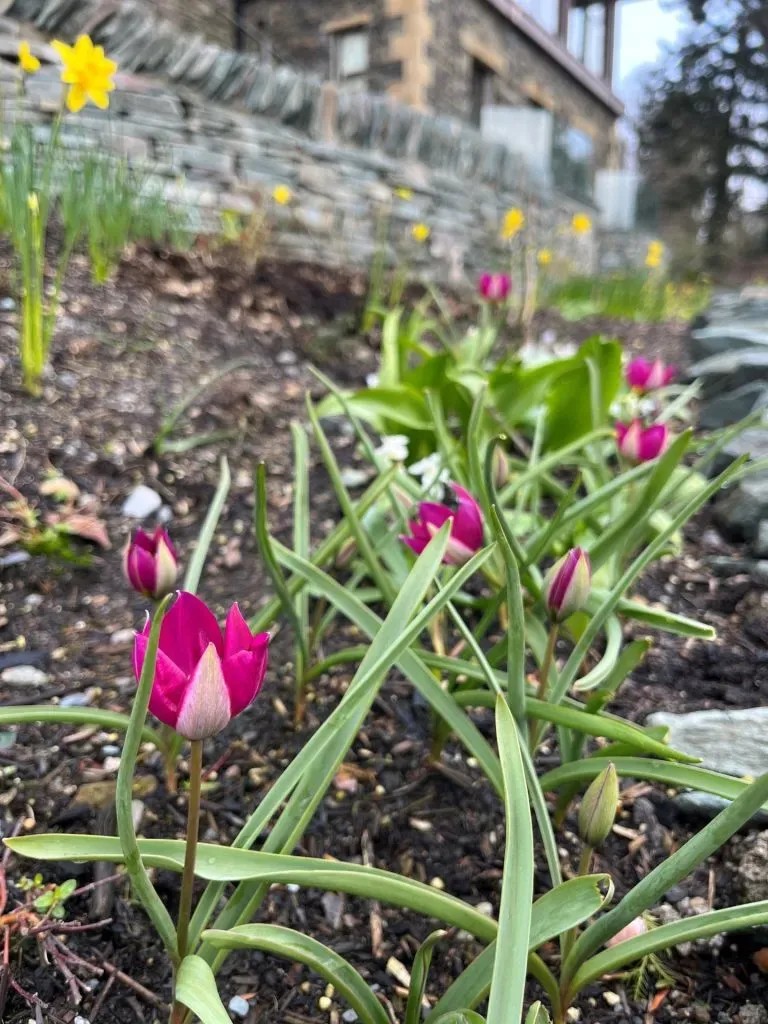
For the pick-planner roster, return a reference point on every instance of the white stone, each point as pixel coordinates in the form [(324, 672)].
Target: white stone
[(121, 637), (239, 1006), (141, 502), (24, 675), (732, 742), (611, 998)]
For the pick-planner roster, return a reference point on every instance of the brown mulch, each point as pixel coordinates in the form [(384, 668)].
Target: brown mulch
[(124, 355)]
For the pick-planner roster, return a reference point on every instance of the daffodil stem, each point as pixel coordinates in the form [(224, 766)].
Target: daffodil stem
[(546, 665)]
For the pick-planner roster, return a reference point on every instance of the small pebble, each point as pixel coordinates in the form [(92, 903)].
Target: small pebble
[(110, 750), (239, 1006), (573, 1013), (75, 700), (437, 883), (110, 764), (293, 887), (122, 636), (349, 1016), (33, 600), (324, 1003), (141, 502), (24, 675), (611, 998)]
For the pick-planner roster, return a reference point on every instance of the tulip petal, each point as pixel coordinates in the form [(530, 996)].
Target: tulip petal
[(140, 571), (468, 523), (205, 708), (416, 544), (187, 630), (244, 673), (653, 442), (143, 540), (168, 685), (433, 514), (237, 636)]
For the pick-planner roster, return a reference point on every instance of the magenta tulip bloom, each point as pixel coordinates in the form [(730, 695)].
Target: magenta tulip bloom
[(494, 287), (202, 679), (567, 584), (150, 564), (466, 527), (642, 444), (643, 375)]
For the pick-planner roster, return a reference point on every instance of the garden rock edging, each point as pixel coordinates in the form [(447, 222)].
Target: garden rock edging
[(728, 345)]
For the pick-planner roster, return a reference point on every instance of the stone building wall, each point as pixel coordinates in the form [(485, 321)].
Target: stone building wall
[(218, 130), (523, 74)]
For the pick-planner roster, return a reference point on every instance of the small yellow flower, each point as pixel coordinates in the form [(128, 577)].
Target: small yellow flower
[(33, 203), (544, 257), (421, 232), (654, 255), (514, 221), (404, 193), (282, 195), (581, 224), (27, 61), (87, 72)]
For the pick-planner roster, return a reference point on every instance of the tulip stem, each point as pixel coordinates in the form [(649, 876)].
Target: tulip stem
[(188, 878), (546, 665)]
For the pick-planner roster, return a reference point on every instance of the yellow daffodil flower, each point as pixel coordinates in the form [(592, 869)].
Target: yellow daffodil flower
[(581, 224), (544, 257), (404, 193), (514, 221), (282, 195), (655, 255), (88, 73), (28, 63), (421, 232)]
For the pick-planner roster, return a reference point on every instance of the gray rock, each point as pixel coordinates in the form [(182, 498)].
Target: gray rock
[(752, 1013), (121, 637), (707, 806), (141, 502), (729, 408), (711, 341), (349, 1016), (760, 543), (15, 558), (750, 867), (730, 370), (726, 741), (7, 305), (741, 508), (24, 675), (239, 1006)]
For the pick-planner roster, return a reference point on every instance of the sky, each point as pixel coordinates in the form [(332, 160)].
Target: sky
[(643, 29)]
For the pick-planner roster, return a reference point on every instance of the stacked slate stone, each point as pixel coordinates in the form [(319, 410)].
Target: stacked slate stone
[(729, 346)]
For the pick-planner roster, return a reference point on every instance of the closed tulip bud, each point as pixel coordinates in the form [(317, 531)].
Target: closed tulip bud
[(642, 444), (500, 468), (598, 807), (494, 287), (150, 564), (203, 679), (567, 584), (633, 930)]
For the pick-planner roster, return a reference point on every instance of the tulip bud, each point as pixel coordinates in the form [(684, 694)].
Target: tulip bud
[(598, 807), (567, 584), (633, 930), (150, 564), (500, 468), (346, 553), (494, 287)]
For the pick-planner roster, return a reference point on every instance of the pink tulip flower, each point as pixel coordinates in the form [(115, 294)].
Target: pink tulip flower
[(466, 527), (642, 444), (150, 564), (633, 930), (567, 584), (202, 679), (494, 287), (643, 375)]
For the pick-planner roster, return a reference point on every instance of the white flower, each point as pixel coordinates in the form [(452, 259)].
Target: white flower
[(372, 380), (393, 448), (433, 475)]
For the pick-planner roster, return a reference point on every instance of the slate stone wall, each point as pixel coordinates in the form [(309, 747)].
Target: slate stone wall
[(219, 130)]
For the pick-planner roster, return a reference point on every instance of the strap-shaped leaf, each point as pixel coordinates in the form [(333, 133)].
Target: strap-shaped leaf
[(303, 949), (196, 989), (509, 970), (419, 975)]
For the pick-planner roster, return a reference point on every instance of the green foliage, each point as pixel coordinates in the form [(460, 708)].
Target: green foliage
[(645, 298)]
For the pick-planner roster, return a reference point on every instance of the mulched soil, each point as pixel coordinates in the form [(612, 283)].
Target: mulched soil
[(126, 353)]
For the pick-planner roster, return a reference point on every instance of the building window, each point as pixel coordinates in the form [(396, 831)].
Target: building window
[(350, 59), (481, 90), (544, 11), (573, 160), (586, 36)]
